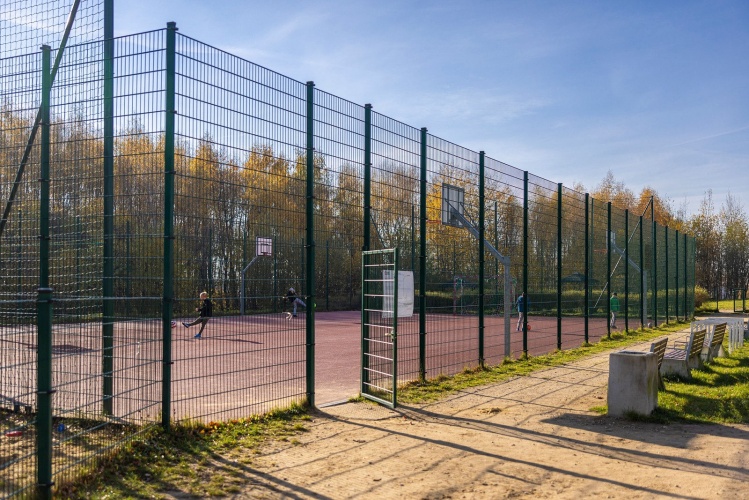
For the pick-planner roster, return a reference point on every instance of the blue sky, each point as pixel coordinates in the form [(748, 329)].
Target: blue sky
[(655, 91)]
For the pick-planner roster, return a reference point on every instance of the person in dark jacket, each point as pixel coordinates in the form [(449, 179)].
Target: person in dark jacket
[(206, 312), (293, 301)]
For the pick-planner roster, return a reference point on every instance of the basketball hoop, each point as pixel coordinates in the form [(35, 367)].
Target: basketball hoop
[(264, 247)]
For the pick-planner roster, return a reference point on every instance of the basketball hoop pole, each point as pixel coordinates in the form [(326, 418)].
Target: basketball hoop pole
[(263, 248), (454, 213)]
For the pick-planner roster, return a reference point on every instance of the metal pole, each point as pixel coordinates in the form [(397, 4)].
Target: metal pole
[(643, 283), (608, 269), (587, 265), (310, 243), (367, 175), (44, 299), (686, 279), (327, 275), (665, 248), (676, 278), (413, 238), (422, 255), (167, 304), (108, 236), (559, 266), (655, 264), (626, 270), (482, 215), (526, 301)]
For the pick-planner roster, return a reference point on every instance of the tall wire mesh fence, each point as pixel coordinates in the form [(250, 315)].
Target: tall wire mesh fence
[(27, 25), (227, 178)]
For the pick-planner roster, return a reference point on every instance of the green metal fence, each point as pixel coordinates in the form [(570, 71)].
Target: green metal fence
[(217, 175)]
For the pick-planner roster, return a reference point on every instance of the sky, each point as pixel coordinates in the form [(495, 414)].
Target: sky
[(655, 91)]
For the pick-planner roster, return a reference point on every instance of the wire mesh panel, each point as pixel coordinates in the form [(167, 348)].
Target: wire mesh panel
[(26, 25), (542, 264), (599, 269), (504, 229), (20, 85), (573, 274), (339, 191), (379, 373), (634, 302), (240, 174), (395, 218), (452, 262), (661, 274)]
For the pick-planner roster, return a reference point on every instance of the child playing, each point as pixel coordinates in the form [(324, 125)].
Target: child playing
[(206, 311), (293, 300)]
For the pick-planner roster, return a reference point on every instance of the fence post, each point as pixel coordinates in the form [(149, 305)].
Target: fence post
[(423, 255), (643, 284), (526, 301), (413, 238), (655, 262), (587, 264), (482, 232), (310, 244), (168, 299), (559, 266), (686, 279), (626, 270), (44, 300), (108, 236), (367, 175), (608, 269), (327, 275), (665, 249), (676, 278)]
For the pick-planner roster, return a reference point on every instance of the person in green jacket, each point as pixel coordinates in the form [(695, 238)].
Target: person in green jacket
[(614, 306)]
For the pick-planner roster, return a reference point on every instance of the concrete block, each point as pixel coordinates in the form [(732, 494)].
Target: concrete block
[(633, 383)]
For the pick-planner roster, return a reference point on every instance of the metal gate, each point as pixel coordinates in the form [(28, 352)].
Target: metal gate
[(379, 375)]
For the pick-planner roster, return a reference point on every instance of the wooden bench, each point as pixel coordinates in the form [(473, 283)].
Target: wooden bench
[(679, 360), (659, 348), (713, 346)]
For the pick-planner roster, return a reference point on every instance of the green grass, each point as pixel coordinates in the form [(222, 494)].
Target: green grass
[(439, 387), (193, 459), (713, 306)]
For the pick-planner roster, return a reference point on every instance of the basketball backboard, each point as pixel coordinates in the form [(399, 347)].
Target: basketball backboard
[(264, 247), (452, 204)]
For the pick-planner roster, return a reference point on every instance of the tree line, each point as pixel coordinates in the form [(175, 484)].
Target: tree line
[(722, 233)]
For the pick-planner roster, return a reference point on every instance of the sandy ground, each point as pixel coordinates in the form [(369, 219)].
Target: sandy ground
[(530, 437)]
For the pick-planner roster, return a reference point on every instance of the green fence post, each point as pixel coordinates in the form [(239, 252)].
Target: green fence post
[(643, 284), (128, 269), (608, 269), (168, 299), (686, 279), (482, 215), (423, 255), (367, 175), (44, 300), (665, 249), (413, 238), (310, 243), (626, 270), (108, 236), (559, 266), (655, 263), (587, 265), (676, 278), (526, 303), (496, 261), (327, 275)]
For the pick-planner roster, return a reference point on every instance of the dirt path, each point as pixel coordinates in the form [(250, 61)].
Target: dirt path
[(531, 437)]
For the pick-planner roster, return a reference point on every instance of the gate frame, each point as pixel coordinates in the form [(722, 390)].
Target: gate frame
[(365, 323)]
